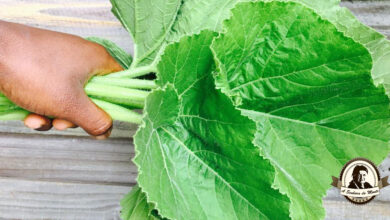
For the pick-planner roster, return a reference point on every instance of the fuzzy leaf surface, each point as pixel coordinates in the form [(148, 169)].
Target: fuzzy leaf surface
[(197, 161), (309, 90)]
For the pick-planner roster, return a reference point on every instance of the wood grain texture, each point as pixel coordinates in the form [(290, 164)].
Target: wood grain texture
[(26, 199), (67, 175), (67, 159), (342, 210)]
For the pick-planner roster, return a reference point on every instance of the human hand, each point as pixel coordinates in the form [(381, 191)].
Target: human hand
[(45, 72)]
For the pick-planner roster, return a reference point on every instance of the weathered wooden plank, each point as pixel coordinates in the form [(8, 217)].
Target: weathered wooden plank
[(67, 159), (374, 210), (25, 199)]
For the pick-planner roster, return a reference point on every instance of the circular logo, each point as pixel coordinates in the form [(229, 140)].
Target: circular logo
[(359, 181)]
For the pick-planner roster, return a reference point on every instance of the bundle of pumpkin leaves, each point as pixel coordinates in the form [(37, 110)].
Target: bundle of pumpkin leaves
[(255, 106)]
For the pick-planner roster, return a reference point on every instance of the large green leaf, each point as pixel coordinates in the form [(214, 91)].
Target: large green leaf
[(347, 23), (148, 22), (310, 92), (194, 150), (154, 24)]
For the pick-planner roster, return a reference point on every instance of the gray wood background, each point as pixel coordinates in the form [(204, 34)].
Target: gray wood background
[(67, 175)]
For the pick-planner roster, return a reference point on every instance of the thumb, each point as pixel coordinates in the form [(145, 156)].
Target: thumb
[(91, 118)]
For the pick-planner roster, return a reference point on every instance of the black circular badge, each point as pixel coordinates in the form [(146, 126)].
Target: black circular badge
[(359, 181)]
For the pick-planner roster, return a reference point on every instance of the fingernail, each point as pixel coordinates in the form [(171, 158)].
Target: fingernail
[(35, 124), (61, 127)]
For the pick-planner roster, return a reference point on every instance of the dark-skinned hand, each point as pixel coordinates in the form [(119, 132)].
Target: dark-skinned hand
[(45, 72)]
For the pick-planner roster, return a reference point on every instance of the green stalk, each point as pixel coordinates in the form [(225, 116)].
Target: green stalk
[(115, 92), (119, 113), (5, 108), (133, 72), (124, 82), (118, 95), (128, 103), (5, 101), (13, 115)]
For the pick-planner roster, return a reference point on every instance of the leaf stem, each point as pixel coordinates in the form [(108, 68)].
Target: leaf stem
[(13, 115), (117, 95), (124, 82), (133, 72), (119, 113), (5, 101)]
